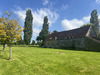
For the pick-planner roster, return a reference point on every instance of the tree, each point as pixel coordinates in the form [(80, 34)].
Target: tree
[(94, 21), (55, 31), (44, 32), (10, 31), (33, 42), (87, 24), (28, 27), (39, 43), (20, 42)]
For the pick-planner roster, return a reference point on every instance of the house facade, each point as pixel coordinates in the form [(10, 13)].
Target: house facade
[(80, 38)]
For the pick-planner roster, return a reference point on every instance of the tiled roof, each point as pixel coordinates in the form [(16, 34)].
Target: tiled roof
[(75, 33)]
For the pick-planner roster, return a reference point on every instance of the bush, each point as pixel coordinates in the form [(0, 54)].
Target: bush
[(33, 42), (40, 43)]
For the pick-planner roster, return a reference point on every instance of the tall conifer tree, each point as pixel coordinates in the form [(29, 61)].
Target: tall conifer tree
[(94, 21), (28, 27), (44, 32)]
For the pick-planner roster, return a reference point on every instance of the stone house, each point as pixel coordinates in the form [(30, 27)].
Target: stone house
[(83, 38)]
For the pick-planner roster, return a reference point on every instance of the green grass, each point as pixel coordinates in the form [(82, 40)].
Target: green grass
[(45, 61)]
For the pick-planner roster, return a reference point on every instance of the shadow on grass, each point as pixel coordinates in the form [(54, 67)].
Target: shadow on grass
[(82, 50), (25, 46), (71, 49), (3, 55)]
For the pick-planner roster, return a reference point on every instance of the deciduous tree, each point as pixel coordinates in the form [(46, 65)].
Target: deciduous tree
[(10, 31), (55, 31)]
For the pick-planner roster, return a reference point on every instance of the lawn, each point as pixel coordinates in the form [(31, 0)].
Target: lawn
[(45, 61)]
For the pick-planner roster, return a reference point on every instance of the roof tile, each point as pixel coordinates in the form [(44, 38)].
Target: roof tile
[(75, 33)]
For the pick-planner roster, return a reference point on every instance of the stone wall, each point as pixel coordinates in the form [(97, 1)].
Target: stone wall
[(87, 43), (78, 43), (50, 44), (69, 43), (92, 44), (92, 33)]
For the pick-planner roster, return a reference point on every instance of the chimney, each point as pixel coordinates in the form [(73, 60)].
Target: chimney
[(50, 32)]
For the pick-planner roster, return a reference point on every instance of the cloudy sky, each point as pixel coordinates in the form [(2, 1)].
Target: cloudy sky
[(62, 14)]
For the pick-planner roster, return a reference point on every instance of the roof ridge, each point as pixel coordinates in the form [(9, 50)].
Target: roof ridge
[(74, 29)]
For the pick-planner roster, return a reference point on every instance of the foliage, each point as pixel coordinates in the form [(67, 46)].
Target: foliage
[(94, 17), (98, 35), (10, 30), (87, 24), (28, 27), (94, 21), (20, 42), (44, 32), (40, 43), (55, 31), (45, 61), (33, 42)]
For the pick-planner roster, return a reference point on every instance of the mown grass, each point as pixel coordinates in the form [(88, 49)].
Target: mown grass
[(45, 61)]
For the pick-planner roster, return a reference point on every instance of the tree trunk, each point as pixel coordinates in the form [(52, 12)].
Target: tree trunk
[(3, 47), (10, 55)]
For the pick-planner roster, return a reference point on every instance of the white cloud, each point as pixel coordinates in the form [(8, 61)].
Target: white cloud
[(38, 17), (45, 2), (64, 7), (36, 31), (71, 24), (21, 14), (99, 16), (98, 1), (86, 19), (49, 4), (74, 23)]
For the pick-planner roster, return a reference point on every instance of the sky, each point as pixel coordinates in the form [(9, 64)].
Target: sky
[(62, 14)]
